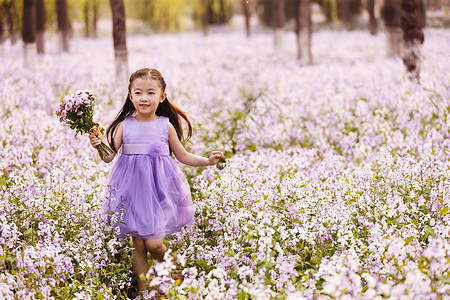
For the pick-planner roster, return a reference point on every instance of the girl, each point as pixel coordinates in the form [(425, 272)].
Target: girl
[(145, 181)]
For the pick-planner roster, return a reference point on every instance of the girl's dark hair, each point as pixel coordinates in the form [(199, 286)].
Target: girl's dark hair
[(165, 108)]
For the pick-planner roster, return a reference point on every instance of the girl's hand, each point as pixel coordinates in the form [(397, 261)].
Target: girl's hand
[(214, 157), (95, 140)]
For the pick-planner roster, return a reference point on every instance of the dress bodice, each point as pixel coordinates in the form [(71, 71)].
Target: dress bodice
[(146, 138)]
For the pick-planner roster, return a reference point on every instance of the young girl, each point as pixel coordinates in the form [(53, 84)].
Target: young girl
[(145, 180)]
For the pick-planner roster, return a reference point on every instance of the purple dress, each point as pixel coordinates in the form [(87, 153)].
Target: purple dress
[(146, 185)]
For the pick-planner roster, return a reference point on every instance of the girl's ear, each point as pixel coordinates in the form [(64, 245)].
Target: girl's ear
[(163, 97)]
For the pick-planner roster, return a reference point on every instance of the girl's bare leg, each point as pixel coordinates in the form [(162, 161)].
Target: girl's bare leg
[(140, 261), (156, 248)]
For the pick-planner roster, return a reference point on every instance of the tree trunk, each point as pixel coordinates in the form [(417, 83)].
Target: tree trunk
[(95, 18), (90, 18), (163, 22), (344, 13), (206, 6), (391, 14), (413, 37), (40, 26), (120, 41), (277, 20), (372, 20), (63, 25), (2, 31), (303, 30), (330, 8), (246, 10), (87, 27), (29, 33), (12, 20)]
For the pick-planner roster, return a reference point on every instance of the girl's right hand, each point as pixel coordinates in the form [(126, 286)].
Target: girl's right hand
[(95, 140)]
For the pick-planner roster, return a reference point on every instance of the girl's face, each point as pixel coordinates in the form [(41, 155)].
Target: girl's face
[(146, 95)]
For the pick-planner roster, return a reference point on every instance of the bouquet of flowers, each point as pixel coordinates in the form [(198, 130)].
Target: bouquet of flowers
[(77, 111)]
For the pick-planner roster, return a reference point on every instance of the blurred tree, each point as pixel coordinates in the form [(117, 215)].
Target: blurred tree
[(220, 12), (200, 14), (2, 22), (264, 10), (347, 11), (373, 26), (278, 19), (40, 26), (63, 25), (245, 5), (344, 13), (12, 19), (120, 41), (211, 12), (391, 14), (95, 15), (29, 33), (413, 37), (160, 15), (330, 10), (303, 30), (168, 15), (90, 17), (140, 10)]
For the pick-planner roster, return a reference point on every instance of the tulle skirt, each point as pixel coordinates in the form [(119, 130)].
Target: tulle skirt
[(148, 196)]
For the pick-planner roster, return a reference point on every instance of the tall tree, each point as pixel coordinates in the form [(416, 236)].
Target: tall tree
[(63, 25), (120, 41), (344, 13), (413, 36), (391, 14), (278, 19), (303, 30), (2, 21), (87, 22), (95, 18), (90, 17), (29, 33), (12, 20), (201, 11), (40, 26), (168, 15), (373, 27), (330, 10), (245, 4)]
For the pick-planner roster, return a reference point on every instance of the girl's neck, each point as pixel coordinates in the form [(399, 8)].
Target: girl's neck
[(145, 118)]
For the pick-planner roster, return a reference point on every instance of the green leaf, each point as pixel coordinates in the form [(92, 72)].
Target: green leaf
[(3, 182), (445, 279), (409, 240), (429, 230), (240, 204), (443, 212), (201, 263), (242, 295)]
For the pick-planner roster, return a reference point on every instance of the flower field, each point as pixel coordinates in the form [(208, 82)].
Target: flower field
[(335, 182)]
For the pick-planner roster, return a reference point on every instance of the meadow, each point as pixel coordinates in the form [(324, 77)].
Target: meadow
[(335, 182)]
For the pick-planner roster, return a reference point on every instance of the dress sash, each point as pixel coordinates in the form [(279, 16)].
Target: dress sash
[(157, 149)]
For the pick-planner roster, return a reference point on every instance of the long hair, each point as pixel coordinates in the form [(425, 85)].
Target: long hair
[(165, 109)]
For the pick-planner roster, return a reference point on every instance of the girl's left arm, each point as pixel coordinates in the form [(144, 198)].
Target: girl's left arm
[(188, 158)]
